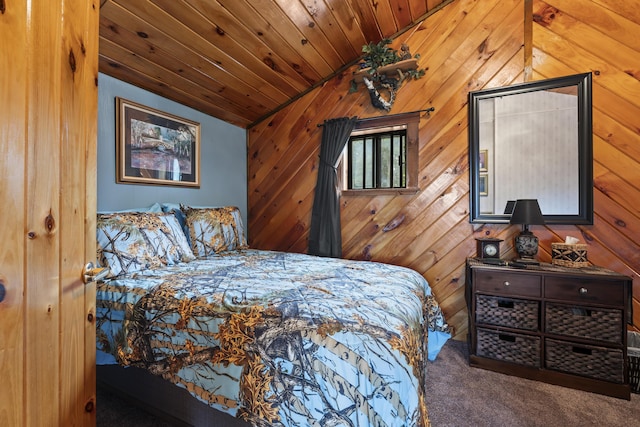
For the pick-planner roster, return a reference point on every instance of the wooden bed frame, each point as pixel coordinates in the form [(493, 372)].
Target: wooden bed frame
[(161, 398)]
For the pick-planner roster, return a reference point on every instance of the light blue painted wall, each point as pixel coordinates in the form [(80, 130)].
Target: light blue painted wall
[(223, 161)]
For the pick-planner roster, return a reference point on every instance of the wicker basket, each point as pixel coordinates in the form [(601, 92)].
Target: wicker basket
[(508, 347), (633, 356), (514, 313), (596, 362), (565, 255), (595, 323)]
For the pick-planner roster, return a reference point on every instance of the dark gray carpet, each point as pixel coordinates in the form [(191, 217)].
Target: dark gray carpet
[(460, 396)]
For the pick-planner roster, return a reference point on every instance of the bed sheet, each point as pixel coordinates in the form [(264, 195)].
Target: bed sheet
[(280, 339)]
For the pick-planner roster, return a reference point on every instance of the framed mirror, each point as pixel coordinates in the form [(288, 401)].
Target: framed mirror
[(532, 141)]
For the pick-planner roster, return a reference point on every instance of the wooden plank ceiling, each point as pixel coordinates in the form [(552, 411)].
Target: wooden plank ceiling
[(241, 60)]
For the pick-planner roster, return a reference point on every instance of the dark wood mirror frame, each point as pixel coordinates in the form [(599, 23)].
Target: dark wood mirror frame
[(582, 83)]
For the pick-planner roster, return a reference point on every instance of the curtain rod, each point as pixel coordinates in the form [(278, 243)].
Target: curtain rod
[(427, 110)]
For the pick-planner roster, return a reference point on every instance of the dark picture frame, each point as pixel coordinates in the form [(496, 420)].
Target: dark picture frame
[(483, 186), (483, 161), (155, 148)]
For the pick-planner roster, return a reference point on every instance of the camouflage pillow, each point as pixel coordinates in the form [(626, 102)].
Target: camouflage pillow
[(134, 241), (214, 230)]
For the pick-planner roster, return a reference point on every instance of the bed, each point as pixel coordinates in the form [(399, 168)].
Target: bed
[(268, 338)]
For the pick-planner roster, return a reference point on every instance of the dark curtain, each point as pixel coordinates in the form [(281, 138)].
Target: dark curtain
[(325, 238)]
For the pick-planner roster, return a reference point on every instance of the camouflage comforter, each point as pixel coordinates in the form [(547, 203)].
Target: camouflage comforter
[(279, 339)]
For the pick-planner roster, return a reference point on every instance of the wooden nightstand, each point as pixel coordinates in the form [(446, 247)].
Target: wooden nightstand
[(559, 325)]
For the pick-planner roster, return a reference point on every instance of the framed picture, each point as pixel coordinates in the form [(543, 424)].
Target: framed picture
[(156, 148), (483, 161), (483, 184)]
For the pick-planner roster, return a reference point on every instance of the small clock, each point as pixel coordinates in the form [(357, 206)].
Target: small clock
[(488, 247)]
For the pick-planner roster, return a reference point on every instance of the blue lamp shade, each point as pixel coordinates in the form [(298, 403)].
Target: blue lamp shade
[(527, 212)]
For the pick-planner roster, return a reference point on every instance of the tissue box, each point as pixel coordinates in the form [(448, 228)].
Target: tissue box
[(567, 255)]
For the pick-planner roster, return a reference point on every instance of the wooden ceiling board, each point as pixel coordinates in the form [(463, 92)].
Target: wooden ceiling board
[(384, 15), (209, 21), (121, 71), (303, 58), (321, 16), (418, 7), (187, 93), (347, 21), (334, 50), (159, 63), (226, 63), (243, 60), (283, 61), (135, 39), (364, 15), (402, 13)]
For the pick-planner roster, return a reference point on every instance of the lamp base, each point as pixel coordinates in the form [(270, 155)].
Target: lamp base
[(526, 245)]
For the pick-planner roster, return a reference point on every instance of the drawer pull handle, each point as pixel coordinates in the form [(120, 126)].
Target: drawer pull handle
[(581, 350), (507, 338), (506, 283), (505, 304), (583, 312), (583, 291)]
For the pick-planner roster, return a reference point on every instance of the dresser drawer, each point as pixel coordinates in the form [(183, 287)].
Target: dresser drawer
[(581, 290), (505, 283), (583, 322), (586, 360), (508, 347), (509, 312)]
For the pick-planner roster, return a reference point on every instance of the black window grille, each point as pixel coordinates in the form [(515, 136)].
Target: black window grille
[(377, 160)]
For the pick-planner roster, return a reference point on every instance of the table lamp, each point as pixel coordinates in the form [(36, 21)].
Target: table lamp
[(527, 212)]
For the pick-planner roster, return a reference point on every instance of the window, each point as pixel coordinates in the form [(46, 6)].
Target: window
[(381, 156), (377, 160)]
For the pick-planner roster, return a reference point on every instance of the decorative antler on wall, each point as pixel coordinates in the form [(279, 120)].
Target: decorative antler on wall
[(383, 70)]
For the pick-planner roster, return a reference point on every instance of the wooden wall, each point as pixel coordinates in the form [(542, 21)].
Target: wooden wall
[(468, 45)]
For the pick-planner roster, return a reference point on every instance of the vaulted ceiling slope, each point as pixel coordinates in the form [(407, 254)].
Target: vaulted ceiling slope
[(241, 60)]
